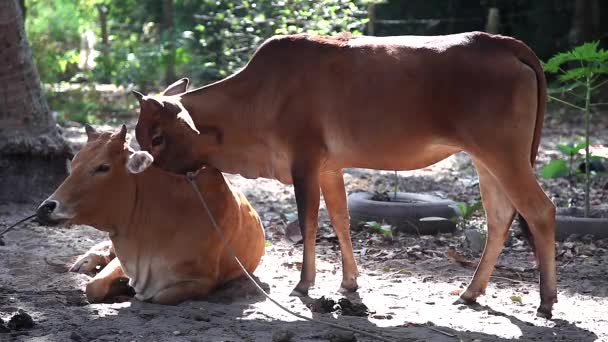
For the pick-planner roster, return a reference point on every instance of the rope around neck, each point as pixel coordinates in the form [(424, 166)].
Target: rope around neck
[(191, 176)]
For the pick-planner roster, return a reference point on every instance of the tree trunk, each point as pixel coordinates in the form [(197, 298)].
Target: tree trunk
[(167, 33), (371, 15), (32, 152), (102, 11), (585, 21)]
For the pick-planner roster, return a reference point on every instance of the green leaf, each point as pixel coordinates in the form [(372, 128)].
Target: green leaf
[(555, 168), (563, 89), (588, 53), (570, 149), (462, 207), (516, 299)]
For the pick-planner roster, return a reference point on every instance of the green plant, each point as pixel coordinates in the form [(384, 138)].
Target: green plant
[(385, 229), (466, 212), (567, 167), (582, 68), (562, 168)]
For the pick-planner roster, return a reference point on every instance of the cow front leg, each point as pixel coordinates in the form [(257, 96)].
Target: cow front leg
[(306, 188), (334, 194), (106, 284), (97, 256)]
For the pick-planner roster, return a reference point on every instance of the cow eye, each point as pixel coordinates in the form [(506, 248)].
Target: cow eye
[(157, 140), (102, 168)]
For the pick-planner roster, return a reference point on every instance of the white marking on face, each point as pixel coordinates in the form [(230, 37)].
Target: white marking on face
[(139, 161)]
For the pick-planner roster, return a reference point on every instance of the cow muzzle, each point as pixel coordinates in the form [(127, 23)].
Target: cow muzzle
[(50, 212)]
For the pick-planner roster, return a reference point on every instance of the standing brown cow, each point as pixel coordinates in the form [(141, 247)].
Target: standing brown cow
[(162, 238), (305, 107)]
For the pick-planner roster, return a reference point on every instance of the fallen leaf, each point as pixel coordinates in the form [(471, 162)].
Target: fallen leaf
[(456, 292), (516, 299), (459, 258)]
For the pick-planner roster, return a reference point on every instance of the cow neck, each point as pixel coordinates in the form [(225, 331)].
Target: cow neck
[(224, 104)]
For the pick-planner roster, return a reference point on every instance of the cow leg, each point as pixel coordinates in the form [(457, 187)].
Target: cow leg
[(306, 188), (332, 186), (105, 283), (99, 255), (194, 289), (518, 180), (499, 216)]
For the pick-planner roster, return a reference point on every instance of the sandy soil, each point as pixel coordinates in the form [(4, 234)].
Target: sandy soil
[(408, 283)]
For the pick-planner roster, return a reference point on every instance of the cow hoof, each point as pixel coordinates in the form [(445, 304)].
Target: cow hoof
[(298, 293), (544, 313), (301, 290), (349, 287), (464, 301)]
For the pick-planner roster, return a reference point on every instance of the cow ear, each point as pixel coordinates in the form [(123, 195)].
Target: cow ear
[(139, 96), (187, 119), (139, 161), (91, 132), (177, 87), (153, 102)]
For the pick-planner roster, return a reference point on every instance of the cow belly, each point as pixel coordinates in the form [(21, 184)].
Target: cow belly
[(386, 153)]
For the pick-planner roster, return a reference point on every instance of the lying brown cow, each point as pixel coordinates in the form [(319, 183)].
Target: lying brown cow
[(161, 235), (305, 107)]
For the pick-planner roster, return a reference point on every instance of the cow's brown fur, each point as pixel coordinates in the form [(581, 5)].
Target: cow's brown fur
[(306, 107), (163, 239)]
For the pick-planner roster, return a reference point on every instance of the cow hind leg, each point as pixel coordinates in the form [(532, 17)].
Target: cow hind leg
[(332, 186), (194, 289), (499, 216), (516, 177)]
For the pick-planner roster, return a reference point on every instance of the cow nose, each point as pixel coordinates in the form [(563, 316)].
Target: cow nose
[(45, 209)]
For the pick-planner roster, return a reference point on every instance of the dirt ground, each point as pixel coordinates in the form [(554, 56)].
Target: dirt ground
[(408, 283)]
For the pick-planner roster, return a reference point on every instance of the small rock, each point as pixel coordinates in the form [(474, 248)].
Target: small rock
[(342, 336), (148, 314), (177, 333), (572, 238), (74, 336), (475, 239), (348, 308), (382, 316), (201, 318), (282, 336), (21, 321), (587, 238), (3, 328), (293, 233)]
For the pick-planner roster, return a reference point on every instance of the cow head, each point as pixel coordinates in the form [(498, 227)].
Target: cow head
[(166, 130), (99, 186)]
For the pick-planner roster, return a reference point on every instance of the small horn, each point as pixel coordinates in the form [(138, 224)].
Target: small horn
[(122, 135), (91, 132)]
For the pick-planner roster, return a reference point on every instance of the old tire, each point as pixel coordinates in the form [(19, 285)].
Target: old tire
[(405, 213), (568, 225)]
